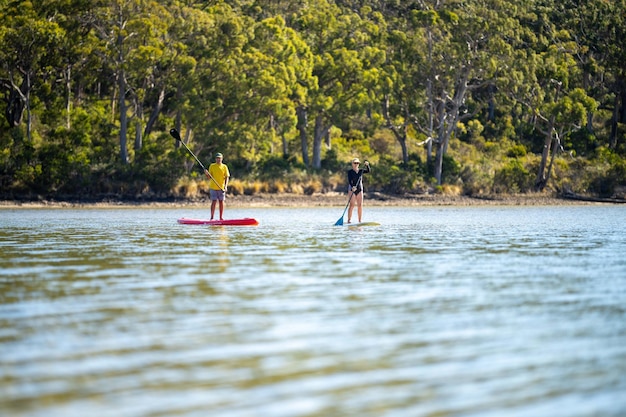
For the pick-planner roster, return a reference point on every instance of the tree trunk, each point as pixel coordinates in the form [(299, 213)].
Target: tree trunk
[(448, 120), (29, 116), (156, 110), (16, 101), (555, 149), (138, 135), (319, 134), (439, 162), (614, 122), (622, 103), (399, 134), (123, 119), (138, 127), (285, 147), (491, 115), (68, 97), (179, 115), (542, 180), (619, 113), (301, 112)]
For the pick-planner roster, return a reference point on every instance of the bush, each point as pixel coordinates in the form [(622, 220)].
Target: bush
[(275, 165), (235, 187), (516, 151), (312, 186), (451, 170), (388, 177), (476, 181), (186, 188), (512, 178), (278, 186), (254, 187)]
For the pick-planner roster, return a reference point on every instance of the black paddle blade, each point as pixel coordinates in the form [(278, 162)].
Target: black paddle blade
[(175, 134)]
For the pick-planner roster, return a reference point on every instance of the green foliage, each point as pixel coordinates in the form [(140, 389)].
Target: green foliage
[(486, 82), (614, 174), (277, 166), (158, 165), (516, 151), (512, 178), (387, 176), (451, 170)]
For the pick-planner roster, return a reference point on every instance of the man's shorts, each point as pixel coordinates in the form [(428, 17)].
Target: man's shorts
[(217, 195)]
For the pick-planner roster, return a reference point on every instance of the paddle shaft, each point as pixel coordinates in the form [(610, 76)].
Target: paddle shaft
[(340, 221), (176, 136)]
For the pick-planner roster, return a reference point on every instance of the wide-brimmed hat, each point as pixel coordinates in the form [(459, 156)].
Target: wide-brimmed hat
[(356, 160)]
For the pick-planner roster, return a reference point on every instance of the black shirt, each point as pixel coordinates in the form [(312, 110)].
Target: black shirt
[(354, 177)]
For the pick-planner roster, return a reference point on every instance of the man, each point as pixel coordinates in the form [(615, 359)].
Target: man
[(218, 184)]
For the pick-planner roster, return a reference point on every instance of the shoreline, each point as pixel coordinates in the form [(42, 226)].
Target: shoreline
[(268, 200)]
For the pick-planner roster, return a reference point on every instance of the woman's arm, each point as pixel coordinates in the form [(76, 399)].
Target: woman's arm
[(353, 178)]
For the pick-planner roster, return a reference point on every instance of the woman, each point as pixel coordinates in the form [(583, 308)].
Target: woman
[(355, 187)]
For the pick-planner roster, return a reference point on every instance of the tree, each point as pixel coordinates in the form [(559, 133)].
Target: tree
[(284, 64), (149, 67), (28, 56), (347, 57), (547, 74), (400, 87), (211, 91), (599, 29), (131, 33)]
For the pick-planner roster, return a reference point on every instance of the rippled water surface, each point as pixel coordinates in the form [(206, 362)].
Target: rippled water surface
[(472, 311)]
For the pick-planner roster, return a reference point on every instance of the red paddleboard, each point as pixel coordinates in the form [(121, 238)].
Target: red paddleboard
[(247, 221)]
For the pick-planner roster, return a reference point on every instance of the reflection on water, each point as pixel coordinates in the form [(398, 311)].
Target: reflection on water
[(440, 311)]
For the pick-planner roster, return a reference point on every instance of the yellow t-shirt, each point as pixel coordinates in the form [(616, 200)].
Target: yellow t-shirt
[(219, 172)]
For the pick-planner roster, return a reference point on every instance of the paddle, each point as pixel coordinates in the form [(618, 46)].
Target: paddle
[(340, 221), (176, 136)]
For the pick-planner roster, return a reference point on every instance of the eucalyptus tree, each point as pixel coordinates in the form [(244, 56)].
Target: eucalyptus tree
[(256, 87), (207, 57), (149, 67), (131, 33), (242, 79), (28, 55), (401, 86), (449, 52), (614, 47), (346, 46), (280, 68), (598, 28), (545, 79)]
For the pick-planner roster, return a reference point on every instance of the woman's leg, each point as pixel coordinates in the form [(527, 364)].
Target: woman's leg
[(351, 206), (359, 203)]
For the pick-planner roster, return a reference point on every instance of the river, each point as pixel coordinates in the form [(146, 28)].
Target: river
[(439, 311)]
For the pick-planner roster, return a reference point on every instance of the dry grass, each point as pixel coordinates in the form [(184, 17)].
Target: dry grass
[(186, 187)]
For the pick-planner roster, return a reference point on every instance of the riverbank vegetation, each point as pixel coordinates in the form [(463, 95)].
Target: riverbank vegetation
[(472, 97)]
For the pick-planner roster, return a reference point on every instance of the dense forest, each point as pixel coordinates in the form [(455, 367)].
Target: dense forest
[(473, 97)]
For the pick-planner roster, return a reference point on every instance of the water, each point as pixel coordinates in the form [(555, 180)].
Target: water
[(471, 311)]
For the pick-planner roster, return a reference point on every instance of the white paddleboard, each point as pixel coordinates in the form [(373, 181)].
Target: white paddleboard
[(360, 224)]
